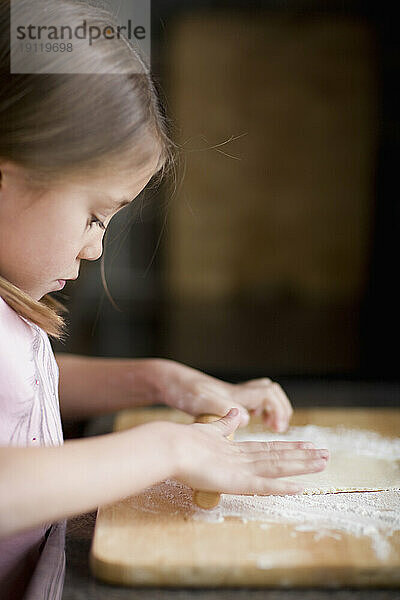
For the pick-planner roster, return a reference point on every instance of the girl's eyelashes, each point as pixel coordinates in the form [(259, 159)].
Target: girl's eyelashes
[(94, 219)]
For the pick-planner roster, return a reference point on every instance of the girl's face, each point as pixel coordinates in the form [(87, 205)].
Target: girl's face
[(44, 238)]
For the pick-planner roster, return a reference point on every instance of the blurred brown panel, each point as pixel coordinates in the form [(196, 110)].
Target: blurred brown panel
[(290, 214)]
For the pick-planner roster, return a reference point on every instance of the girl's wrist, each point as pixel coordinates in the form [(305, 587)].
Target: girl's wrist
[(163, 443), (142, 381), (166, 377)]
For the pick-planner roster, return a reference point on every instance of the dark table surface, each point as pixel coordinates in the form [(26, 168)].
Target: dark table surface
[(80, 583)]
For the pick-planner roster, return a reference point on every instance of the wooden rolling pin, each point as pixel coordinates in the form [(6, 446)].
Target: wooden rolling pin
[(203, 499)]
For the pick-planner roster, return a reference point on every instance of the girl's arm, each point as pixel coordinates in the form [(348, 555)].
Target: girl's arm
[(91, 386), (43, 485), (96, 385), (46, 484)]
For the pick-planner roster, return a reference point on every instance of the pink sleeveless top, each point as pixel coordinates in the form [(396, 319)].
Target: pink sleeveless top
[(32, 563)]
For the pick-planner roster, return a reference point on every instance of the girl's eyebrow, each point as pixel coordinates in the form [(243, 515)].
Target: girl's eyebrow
[(115, 204), (122, 203)]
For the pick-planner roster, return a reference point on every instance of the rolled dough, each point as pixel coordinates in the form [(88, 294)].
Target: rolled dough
[(359, 461), (346, 472)]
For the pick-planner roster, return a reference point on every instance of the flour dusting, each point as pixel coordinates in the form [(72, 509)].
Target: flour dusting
[(372, 514)]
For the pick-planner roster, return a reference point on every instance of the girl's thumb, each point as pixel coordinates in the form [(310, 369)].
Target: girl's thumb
[(230, 422)]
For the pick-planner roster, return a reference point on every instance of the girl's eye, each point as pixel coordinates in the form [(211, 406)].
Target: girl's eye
[(96, 220)]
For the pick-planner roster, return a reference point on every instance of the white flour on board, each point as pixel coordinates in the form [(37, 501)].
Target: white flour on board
[(372, 514)]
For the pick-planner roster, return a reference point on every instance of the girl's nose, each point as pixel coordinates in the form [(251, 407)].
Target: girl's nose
[(92, 251)]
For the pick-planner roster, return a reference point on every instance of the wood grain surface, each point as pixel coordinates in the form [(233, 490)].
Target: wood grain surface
[(132, 547)]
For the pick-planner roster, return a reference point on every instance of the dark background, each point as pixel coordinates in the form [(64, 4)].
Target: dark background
[(195, 273)]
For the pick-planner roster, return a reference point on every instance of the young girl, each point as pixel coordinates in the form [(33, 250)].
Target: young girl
[(74, 148)]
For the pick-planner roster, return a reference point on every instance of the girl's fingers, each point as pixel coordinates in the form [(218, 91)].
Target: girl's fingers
[(276, 412), (268, 400), (282, 414), (289, 454), (284, 400), (281, 468), (271, 406), (254, 446)]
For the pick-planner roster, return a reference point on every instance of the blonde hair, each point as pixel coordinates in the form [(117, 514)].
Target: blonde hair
[(60, 125)]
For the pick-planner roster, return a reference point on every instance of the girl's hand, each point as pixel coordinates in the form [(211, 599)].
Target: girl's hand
[(209, 461), (195, 392), (265, 398)]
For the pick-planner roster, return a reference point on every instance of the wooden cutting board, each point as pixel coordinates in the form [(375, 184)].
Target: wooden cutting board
[(131, 547)]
